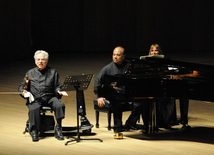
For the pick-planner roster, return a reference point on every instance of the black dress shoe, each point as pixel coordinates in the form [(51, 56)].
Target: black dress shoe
[(58, 133), (34, 135)]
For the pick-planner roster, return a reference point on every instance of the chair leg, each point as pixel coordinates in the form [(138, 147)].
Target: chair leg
[(97, 119), (109, 120), (138, 120)]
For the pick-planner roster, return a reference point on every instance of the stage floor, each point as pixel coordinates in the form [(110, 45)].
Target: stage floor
[(13, 115)]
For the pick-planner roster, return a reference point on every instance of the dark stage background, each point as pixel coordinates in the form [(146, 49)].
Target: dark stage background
[(100, 25)]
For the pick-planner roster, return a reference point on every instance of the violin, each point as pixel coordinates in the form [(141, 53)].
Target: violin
[(26, 82)]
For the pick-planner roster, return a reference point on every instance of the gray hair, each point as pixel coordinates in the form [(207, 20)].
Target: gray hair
[(41, 51)]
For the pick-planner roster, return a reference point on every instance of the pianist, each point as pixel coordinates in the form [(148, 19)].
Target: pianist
[(142, 107), (166, 109), (155, 49), (104, 90)]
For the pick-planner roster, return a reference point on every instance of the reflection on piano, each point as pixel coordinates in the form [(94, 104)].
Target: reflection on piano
[(153, 77)]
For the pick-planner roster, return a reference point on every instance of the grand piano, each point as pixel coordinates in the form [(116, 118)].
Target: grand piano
[(155, 77)]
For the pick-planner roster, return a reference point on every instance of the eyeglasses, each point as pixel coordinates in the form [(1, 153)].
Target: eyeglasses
[(41, 60)]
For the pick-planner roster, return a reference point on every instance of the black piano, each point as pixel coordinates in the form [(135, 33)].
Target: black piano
[(159, 77)]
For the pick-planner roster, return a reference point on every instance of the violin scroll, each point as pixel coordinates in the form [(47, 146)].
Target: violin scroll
[(26, 82)]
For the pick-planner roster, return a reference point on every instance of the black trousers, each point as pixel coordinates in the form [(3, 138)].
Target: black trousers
[(117, 115), (34, 112), (117, 101)]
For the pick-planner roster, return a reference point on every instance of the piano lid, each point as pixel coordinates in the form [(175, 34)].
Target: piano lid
[(154, 66), (199, 77)]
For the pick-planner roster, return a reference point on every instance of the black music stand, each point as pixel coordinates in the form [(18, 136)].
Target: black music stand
[(78, 83)]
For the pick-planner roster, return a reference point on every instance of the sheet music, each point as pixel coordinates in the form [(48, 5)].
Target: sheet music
[(153, 56)]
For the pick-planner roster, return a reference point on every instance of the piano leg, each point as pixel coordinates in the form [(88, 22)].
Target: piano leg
[(153, 121), (149, 116), (184, 106)]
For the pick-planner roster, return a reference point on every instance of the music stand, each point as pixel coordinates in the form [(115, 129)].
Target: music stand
[(77, 83)]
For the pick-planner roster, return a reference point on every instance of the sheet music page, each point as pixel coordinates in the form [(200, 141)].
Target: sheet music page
[(154, 56)]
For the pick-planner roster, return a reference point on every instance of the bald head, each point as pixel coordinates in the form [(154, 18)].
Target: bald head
[(118, 55)]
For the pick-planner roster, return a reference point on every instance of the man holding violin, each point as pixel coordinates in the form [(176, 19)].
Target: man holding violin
[(44, 87)]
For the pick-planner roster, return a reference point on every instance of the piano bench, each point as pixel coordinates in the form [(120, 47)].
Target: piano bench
[(127, 106)]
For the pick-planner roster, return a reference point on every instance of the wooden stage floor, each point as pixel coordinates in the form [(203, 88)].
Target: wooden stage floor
[(13, 116)]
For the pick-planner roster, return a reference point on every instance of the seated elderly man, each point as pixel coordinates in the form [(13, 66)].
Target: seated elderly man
[(44, 87)]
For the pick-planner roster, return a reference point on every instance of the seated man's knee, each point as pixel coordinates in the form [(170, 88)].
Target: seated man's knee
[(34, 107), (56, 103), (59, 106)]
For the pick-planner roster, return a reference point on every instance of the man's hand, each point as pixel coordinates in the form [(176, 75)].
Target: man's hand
[(117, 88), (23, 93), (63, 93), (100, 102)]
